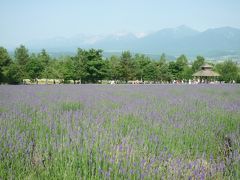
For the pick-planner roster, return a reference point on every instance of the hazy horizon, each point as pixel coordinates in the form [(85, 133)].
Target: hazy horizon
[(24, 21)]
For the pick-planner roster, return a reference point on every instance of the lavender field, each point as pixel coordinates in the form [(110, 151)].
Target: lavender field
[(120, 132)]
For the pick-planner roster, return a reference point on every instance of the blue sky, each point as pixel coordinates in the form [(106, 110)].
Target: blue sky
[(26, 20)]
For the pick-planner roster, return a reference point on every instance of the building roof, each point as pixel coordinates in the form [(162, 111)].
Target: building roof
[(206, 73), (208, 66)]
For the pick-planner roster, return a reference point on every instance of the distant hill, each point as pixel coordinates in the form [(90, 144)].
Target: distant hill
[(223, 41)]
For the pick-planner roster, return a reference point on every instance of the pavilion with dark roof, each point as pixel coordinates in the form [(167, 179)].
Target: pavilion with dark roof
[(206, 73)]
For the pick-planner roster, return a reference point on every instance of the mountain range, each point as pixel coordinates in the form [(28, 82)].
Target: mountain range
[(223, 41)]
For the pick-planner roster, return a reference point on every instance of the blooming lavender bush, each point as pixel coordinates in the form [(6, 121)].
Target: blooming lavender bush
[(120, 132)]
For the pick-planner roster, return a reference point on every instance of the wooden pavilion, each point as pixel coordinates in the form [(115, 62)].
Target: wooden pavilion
[(206, 74)]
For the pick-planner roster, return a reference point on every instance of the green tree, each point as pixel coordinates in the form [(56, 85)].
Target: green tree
[(181, 64), (163, 59), (14, 74), (34, 68), (56, 69), (5, 61), (228, 71), (80, 65), (164, 73), (21, 55), (91, 66), (113, 67), (141, 62), (174, 69), (151, 72), (198, 63), (68, 69), (44, 57), (126, 66), (187, 73), (95, 66)]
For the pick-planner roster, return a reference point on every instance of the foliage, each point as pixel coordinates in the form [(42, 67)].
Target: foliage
[(14, 74), (34, 67), (198, 63), (21, 55), (187, 73), (89, 66), (44, 58), (4, 57), (151, 72), (126, 66), (229, 71), (181, 65), (141, 64), (113, 68), (164, 74), (68, 69), (5, 61)]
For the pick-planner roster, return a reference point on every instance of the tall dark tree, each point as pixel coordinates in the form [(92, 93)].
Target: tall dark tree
[(163, 59), (198, 63), (91, 66), (5, 61), (164, 74), (95, 66), (56, 69), (151, 72), (113, 68), (228, 70), (187, 73), (181, 64), (141, 63), (22, 58), (14, 74), (34, 67), (126, 66), (21, 55), (44, 57), (80, 65), (174, 69), (68, 69)]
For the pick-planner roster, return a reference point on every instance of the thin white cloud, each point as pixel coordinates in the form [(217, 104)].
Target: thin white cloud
[(93, 39), (140, 34)]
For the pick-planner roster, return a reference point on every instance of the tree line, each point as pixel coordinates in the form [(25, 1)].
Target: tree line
[(89, 66)]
